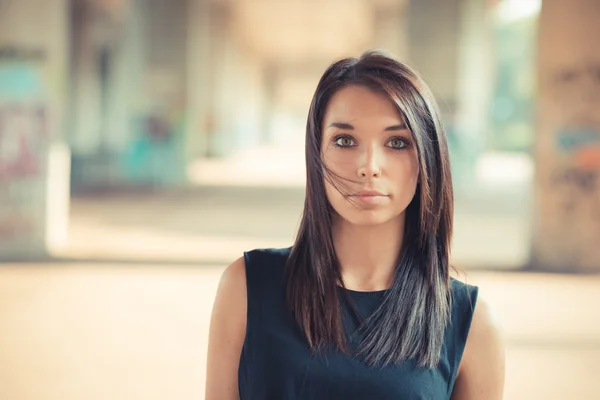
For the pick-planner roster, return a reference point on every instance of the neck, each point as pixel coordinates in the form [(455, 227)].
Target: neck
[(368, 255)]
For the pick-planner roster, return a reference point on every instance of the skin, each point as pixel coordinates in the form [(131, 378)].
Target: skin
[(367, 146)]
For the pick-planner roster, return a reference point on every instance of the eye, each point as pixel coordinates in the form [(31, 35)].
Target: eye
[(344, 141), (397, 143)]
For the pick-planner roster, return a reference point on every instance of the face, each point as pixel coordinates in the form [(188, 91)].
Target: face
[(367, 145)]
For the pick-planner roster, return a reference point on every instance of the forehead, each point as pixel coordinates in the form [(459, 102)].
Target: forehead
[(356, 104)]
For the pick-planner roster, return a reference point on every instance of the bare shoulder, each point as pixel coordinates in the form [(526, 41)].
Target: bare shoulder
[(229, 309), (485, 325), (233, 279), (481, 371), (227, 333)]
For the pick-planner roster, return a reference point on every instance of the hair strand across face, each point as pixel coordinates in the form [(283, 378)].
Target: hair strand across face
[(412, 319)]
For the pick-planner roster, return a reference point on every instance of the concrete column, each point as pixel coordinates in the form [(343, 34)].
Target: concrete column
[(450, 44), (107, 56), (85, 136), (199, 79), (34, 162), (433, 37), (434, 42), (566, 234), (236, 106), (390, 28), (468, 126), (251, 101), (219, 43), (124, 79), (155, 150), (228, 76)]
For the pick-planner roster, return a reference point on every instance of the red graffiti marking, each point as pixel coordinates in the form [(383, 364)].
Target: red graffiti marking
[(23, 135), (15, 226), (587, 158)]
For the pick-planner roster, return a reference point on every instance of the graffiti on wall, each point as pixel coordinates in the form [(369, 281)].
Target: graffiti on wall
[(19, 53), (154, 156), (576, 92), (23, 114), (24, 137), (581, 177), (15, 221), (23, 140)]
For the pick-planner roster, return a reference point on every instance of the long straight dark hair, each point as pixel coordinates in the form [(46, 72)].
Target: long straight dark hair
[(411, 321)]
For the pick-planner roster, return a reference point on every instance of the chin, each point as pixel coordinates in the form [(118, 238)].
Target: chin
[(367, 217)]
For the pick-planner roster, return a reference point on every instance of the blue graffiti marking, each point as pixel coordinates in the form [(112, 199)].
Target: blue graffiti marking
[(19, 82), (576, 138)]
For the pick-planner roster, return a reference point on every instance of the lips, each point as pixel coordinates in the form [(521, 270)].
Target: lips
[(369, 193), (370, 198)]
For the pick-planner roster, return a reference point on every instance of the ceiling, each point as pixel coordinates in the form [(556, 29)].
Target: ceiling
[(294, 30)]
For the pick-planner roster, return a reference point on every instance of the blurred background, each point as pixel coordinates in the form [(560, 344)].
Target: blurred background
[(145, 144)]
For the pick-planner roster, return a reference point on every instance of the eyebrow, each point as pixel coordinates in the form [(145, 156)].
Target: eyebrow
[(347, 126)]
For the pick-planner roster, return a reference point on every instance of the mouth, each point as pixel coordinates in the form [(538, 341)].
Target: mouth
[(369, 198), (369, 193)]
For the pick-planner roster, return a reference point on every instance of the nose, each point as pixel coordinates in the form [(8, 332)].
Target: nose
[(370, 165)]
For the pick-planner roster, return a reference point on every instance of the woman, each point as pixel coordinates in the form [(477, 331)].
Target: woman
[(362, 306)]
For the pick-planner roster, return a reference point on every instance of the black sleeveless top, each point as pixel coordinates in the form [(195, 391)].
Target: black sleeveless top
[(276, 362)]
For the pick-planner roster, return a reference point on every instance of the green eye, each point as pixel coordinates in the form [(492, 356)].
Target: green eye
[(397, 143), (344, 141)]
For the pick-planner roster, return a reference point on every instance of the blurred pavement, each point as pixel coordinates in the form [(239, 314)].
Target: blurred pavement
[(122, 332), (122, 313), (254, 199)]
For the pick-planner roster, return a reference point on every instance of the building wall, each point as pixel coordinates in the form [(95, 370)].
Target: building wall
[(567, 187), (33, 161), (129, 93)]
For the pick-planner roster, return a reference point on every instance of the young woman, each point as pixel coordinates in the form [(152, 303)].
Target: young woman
[(362, 306)]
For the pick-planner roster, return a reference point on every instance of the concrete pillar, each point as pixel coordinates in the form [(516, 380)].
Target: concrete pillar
[(433, 37), (107, 56), (228, 76), (85, 135), (34, 162), (199, 70), (450, 44), (251, 100), (566, 234), (237, 87), (155, 150), (219, 48), (390, 28), (124, 79), (468, 127)]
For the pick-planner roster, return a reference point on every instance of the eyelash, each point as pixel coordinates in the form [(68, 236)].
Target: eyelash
[(403, 140)]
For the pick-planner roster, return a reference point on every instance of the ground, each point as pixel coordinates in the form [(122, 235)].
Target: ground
[(122, 313)]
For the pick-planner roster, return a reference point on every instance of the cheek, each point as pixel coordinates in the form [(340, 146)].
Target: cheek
[(339, 162), (405, 178), (413, 166), (405, 169), (333, 194)]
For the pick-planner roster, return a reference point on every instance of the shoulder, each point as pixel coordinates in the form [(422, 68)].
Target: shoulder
[(254, 263), (267, 255), (231, 292), (233, 276), (481, 370), (485, 333), (485, 336), (265, 264), (464, 302), (463, 292), (227, 332), (246, 278)]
